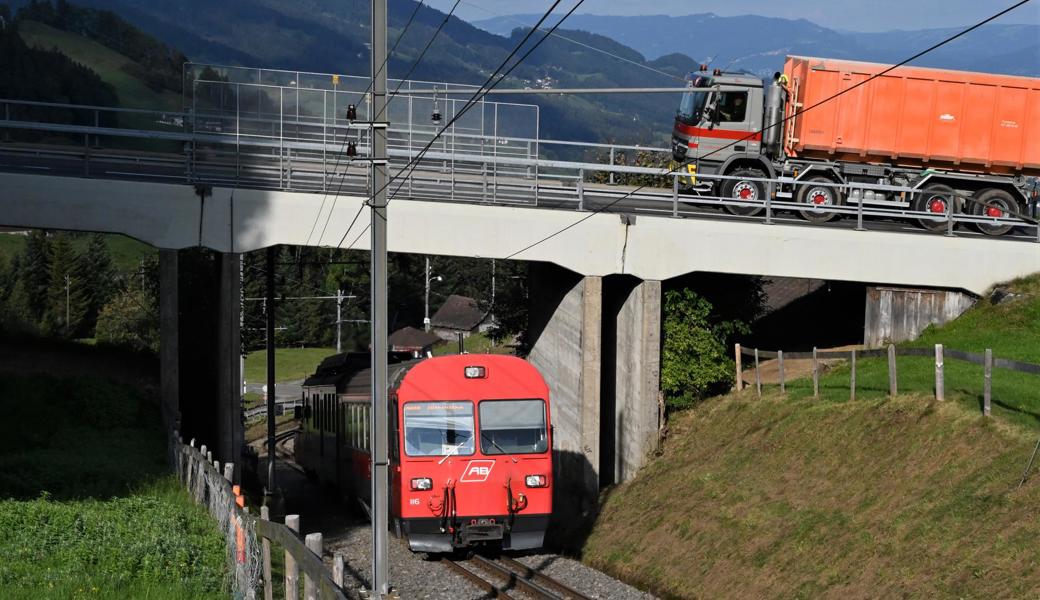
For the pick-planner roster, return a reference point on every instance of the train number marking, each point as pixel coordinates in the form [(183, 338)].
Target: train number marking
[(414, 502), (477, 471)]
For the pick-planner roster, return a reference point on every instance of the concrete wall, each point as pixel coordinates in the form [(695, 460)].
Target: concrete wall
[(901, 314), (564, 339), (229, 349), (169, 338), (632, 373)]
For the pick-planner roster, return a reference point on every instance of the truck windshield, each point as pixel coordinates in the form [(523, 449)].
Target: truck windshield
[(513, 427), (438, 428), (692, 107)]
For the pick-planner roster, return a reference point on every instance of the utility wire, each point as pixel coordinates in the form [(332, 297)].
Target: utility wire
[(777, 124), (400, 82), (478, 96), (339, 155)]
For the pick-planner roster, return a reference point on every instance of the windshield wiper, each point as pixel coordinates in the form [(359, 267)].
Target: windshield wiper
[(495, 444), (453, 450)]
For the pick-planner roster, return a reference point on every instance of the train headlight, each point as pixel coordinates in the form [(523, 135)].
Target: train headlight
[(475, 372), (421, 484), (536, 481)]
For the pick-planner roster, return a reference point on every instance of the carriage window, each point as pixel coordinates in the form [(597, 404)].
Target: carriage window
[(438, 428), (732, 107), (513, 427)]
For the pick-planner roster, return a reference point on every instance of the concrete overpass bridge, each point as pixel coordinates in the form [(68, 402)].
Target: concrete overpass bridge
[(257, 162)]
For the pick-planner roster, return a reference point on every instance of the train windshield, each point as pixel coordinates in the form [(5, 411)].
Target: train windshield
[(513, 427), (692, 107), (438, 428)]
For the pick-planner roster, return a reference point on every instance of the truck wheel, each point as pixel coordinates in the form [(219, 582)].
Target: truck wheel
[(933, 199), (994, 203), (744, 190), (819, 196)]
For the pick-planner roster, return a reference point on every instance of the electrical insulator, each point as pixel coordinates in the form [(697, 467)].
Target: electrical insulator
[(351, 149), (351, 112), (436, 116)]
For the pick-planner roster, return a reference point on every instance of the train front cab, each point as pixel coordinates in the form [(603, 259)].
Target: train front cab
[(474, 455)]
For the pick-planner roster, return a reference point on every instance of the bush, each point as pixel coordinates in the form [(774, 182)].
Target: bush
[(695, 362)]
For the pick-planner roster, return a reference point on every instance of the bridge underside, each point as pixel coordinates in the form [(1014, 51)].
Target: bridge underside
[(652, 248)]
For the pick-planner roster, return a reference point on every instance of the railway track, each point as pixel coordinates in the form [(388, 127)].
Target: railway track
[(508, 579)]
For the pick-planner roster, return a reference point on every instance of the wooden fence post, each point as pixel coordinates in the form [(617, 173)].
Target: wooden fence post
[(852, 378), (892, 379), (310, 587), (758, 377), (815, 374), (940, 383), (736, 356), (292, 572), (337, 570), (265, 515), (987, 392), (229, 471), (780, 359)]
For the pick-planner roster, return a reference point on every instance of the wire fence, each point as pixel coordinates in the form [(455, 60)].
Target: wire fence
[(249, 539), (940, 354)]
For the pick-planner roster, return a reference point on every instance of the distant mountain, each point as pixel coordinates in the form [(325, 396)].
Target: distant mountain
[(759, 44), (332, 36)]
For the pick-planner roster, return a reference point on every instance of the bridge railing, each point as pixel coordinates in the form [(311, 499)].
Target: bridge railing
[(462, 166)]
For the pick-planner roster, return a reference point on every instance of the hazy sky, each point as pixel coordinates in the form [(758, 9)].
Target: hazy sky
[(851, 15)]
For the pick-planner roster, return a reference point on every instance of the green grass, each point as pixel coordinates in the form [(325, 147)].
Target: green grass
[(126, 252), (290, 364), (108, 64), (477, 343), (1011, 330), (792, 498), (88, 508)]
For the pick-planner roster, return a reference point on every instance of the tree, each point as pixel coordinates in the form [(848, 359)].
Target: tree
[(129, 320), (98, 274), (67, 294), (35, 275), (695, 362)]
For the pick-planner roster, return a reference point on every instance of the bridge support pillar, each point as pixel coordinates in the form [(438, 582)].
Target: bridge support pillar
[(229, 350), (631, 375), (565, 336), (169, 338)]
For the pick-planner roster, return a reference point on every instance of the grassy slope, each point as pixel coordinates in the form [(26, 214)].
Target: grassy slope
[(108, 64), (796, 497), (290, 364), (782, 498), (126, 252), (87, 505)]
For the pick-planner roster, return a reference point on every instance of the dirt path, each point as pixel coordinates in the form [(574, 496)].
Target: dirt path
[(769, 370)]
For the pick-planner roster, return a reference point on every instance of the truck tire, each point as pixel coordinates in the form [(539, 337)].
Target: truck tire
[(819, 196), (994, 202), (744, 190), (932, 199)]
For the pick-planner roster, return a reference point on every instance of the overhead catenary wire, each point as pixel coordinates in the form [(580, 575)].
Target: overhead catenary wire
[(479, 95), (777, 124), (339, 155)]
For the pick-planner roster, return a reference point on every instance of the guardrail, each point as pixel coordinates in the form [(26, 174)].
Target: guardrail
[(250, 538), (463, 166), (986, 360)]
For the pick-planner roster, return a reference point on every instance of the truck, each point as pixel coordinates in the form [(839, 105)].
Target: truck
[(823, 129)]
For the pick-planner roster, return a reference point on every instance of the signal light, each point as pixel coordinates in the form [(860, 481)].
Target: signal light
[(536, 481), (475, 373), (351, 112), (420, 484)]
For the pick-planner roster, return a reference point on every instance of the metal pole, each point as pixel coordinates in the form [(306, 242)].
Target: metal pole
[(269, 306), (339, 321), (426, 309), (380, 487)]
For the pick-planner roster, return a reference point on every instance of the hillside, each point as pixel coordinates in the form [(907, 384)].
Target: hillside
[(759, 44), (797, 497)]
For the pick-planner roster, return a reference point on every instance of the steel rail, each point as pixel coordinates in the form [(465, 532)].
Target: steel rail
[(529, 574), (485, 586)]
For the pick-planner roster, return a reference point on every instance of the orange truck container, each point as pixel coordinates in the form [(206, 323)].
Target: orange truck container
[(913, 117)]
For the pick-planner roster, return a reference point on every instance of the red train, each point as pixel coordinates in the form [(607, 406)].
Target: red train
[(470, 446)]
